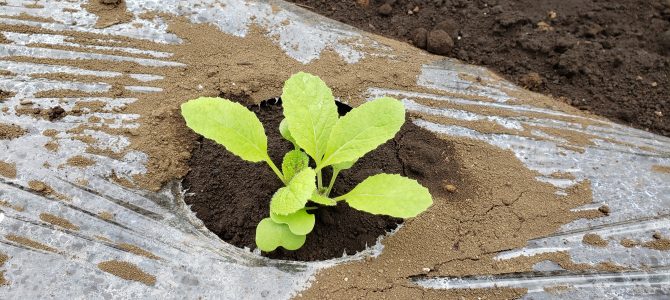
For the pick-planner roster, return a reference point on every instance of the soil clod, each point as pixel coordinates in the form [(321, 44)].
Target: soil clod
[(385, 9), (594, 240), (604, 209), (420, 37), (439, 42), (56, 113)]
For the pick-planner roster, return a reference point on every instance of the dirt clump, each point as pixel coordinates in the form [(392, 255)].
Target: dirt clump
[(532, 81), (439, 42), (385, 9), (137, 250), (7, 169), (80, 161), (109, 12), (605, 209), (3, 260), (58, 221), (55, 113), (29, 243), (127, 271), (10, 131), (4, 94), (594, 240), (658, 244), (629, 243)]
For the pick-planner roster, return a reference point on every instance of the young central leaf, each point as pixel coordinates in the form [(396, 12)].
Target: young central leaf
[(294, 162), (363, 129), (309, 108), (323, 200), (294, 196), (389, 194), (229, 124)]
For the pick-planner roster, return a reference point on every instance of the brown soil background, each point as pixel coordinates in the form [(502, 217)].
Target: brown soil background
[(232, 196), (608, 57)]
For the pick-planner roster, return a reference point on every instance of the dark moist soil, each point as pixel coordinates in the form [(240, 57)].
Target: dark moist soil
[(607, 57), (231, 195)]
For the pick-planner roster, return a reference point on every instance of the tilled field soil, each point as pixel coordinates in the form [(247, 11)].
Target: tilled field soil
[(611, 58)]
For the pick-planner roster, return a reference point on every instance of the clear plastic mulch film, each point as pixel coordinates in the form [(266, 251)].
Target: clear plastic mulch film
[(166, 246)]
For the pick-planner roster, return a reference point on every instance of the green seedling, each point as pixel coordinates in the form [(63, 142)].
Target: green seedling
[(322, 140)]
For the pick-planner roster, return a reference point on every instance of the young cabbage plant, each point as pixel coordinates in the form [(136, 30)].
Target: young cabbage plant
[(316, 131)]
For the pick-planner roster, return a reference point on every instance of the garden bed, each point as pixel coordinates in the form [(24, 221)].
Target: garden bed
[(232, 196)]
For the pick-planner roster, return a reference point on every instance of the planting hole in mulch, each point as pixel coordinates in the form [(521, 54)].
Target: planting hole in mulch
[(231, 195)]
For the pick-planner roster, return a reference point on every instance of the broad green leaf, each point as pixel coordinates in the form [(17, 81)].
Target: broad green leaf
[(321, 199), (299, 222), (286, 133), (344, 165), (309, 108), (363, 129), (294, 161), (389, 194), (294, 196), (229, 124), (270, 235)]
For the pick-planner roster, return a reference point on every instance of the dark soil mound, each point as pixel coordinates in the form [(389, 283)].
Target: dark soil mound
[(608, 57), (231, 195)]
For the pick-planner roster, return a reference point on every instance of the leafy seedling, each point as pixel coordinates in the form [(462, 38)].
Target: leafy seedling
[(320, 138)]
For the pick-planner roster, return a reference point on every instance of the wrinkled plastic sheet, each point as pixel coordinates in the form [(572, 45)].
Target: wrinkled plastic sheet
[(194, 262)]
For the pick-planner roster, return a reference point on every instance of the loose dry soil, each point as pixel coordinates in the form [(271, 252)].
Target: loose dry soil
[(608, 57)]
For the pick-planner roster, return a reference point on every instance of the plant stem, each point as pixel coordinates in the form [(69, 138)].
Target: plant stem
[(276, 170), (332, 181), (319, 180)]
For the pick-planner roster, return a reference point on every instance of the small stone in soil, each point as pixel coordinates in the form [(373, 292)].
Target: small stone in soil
[(439, 42), (657, 235), (419, 37), (385, 9), (449, 187)]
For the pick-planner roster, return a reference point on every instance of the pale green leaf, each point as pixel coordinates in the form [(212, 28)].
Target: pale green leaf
[(363, 129), (321, 199), (229, 124), (344, 165), (294, 196), (294, 161), (270, 235), (299, 222), (309, 108), (286, 133), (389, 194)]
